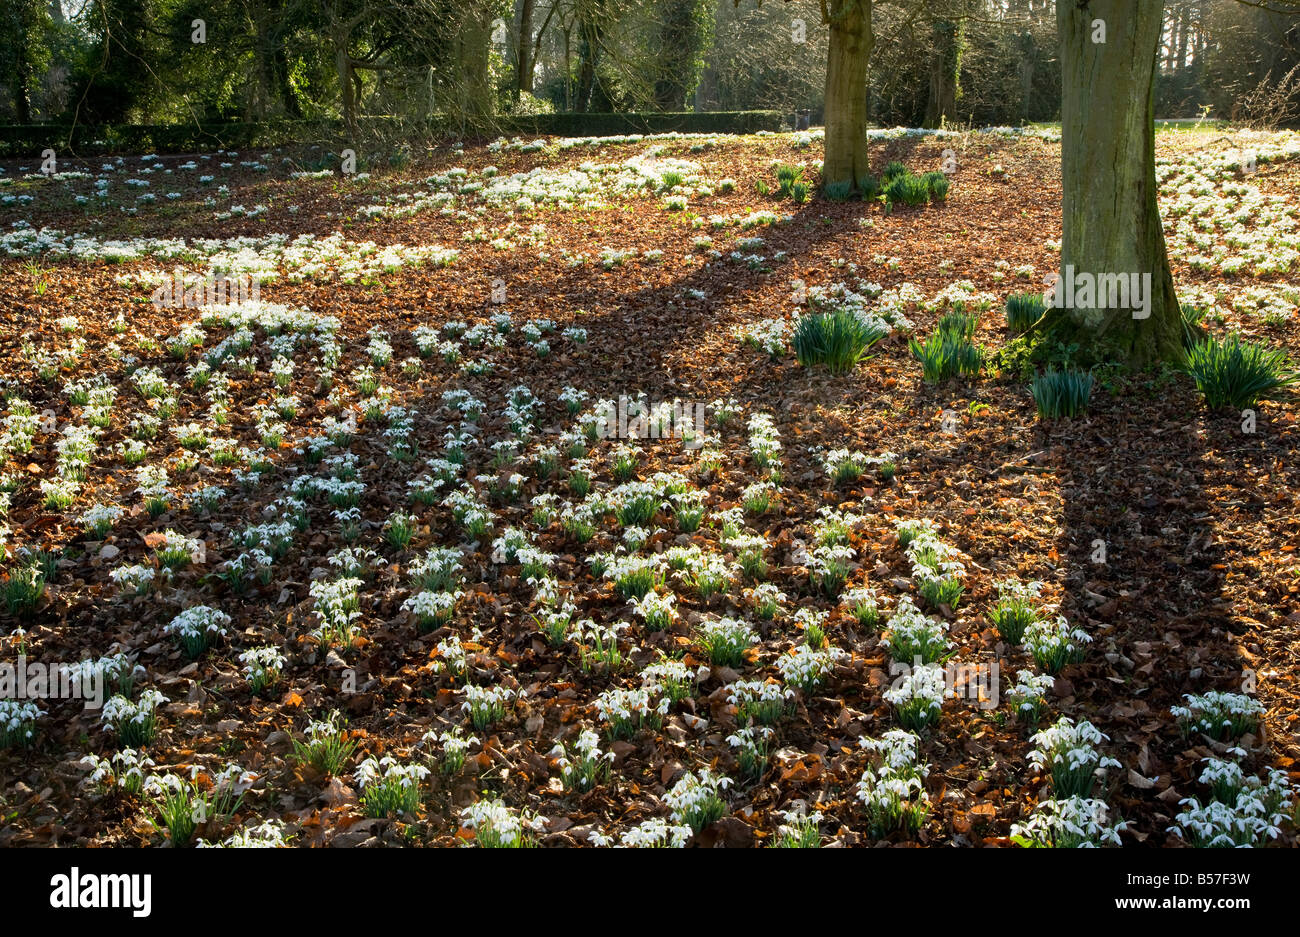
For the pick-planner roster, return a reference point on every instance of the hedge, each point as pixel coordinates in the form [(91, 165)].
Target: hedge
[(606, 125), (28, 140)]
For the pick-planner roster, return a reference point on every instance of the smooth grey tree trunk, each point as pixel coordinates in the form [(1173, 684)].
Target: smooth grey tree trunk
[(851, 42), (1110, 220), (524, 49)]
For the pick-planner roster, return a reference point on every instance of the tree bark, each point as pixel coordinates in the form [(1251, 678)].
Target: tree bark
[(568, 68), (1110, 219), (473, 43), (685, 27), (945, 62), (524, 49), (343, 65), (28, 16), (1184, 27), (1198, 37), (265, 91), (1028, 52), (1169, 26), (288, 97), (851, 42), (590, 31)]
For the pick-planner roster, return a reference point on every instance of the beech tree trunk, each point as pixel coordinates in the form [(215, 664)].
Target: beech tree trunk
[(474, 88), (343, 65), (945, 64), (589, 34), (851, 42), (25, 74), (591, 18), (524, 49), (1110, 220), (1184, 27), (288, 96), (1027, 52)]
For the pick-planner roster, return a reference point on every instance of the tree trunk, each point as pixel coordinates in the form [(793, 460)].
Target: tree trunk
[(1028, 53), (1110, 221), (22, 101), (568, 69), (264, 91), (473, 83), (589, 35), (343, 64), (851, 42), (1198, 37), (288, 97), (1169, 26), (25, 77), (22, 79), (524, 50), (945, 61), (1184, 27), (685, 28)]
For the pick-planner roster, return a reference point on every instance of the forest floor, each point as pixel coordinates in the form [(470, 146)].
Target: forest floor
[(1164, 531)]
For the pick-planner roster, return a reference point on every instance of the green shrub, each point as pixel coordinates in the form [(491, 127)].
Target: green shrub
[(960, 324), (838, 339), (88, 138), (938, 184), (786, 177), (22, 587), (907, 189), (1023, 310), (949, 351), (799, 192), (939, 357), (1193, 321), (1061, 393), (837, 191), (1237, 374), (23, 584), (869, 186), (970, 359), (893, 170)]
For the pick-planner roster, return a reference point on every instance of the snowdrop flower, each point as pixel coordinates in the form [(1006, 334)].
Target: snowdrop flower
[(1069, 752), (648, 834), (1221, 715), (918, 695), (497, 826), (18, 722), (806, 667), (1069, 823), (696, 798)]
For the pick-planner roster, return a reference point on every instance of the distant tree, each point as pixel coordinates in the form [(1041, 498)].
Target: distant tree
[(1251, 49), (685, 31), (23, 57), (947, 43), (757, 60), (593, 19), (116, 80)]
